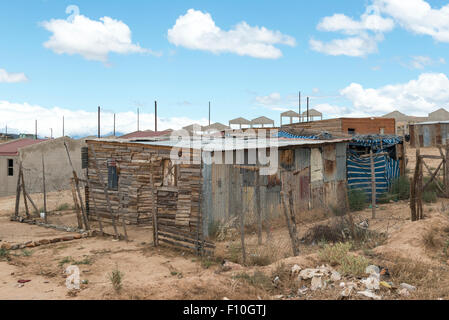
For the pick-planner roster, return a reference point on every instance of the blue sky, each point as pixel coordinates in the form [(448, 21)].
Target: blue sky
[(252, 61)]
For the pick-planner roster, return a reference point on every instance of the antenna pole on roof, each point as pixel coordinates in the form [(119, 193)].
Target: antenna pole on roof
[(51, 133), (114, 124), (138, 120), (209, 113), (63, 126), (98, 121), (307, 109), (299, 103), (155, 116), (35, 129)]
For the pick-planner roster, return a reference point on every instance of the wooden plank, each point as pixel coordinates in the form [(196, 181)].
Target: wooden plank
[(77, 208), (258, 209), (24, 197)]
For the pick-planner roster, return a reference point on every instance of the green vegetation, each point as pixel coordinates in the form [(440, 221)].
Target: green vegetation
[(63, 207), (116, 278), (357, 199), (338, 255)]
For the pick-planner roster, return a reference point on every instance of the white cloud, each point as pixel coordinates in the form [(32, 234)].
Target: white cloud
[(363, 35), (197, 30), (93, 40), (353, 46), (420, 62), (271, 99), (21, 116), (11, 77), (418, 16), (430, 91)]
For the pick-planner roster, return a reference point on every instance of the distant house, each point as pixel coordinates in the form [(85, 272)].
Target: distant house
[(240, 122), (430, 133), (262, 121), (29, 152), (351, 126), (146, 134)]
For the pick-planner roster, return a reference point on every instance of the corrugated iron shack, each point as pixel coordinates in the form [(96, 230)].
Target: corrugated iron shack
[(140, 176), (431, 134)]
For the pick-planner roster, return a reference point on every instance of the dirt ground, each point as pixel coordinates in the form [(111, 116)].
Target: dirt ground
[(415, 253)]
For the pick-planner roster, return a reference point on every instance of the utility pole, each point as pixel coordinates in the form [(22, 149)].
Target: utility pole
[(138, 120), (51, 133), (63, 126), (35, 129), (155, 116), (98, 121), (307, 109), (114, 124)]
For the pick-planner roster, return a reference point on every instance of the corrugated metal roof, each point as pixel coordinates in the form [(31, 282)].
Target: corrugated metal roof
[(430, 122), (219, 144), (145, 134), (12, 148)]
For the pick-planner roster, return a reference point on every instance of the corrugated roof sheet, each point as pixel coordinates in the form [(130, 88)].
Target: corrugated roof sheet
[(219, 144), (145, 134), (12, 148)]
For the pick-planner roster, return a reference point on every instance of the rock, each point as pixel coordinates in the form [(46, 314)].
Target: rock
[(279, 296), (225, 298), (276, 280), (404, 292), (55, 240), (335, 276), (317, 283), (15, 247), (67, 238), (296, 269), (31, 245), (346, 292), (372, 269), (6, 246), (227, 265), (369, 294), (407, 287), (371, 283), (302, 290), (44, 241), (311, 273), (77, 236), (342, 284)]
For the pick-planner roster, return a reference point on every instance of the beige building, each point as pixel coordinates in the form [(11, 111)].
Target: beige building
[(30, 152), (403, 121)]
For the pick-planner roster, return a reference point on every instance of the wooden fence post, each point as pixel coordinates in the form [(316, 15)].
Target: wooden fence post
[(242, 231), (77, 208), (289, 224), (154, 204), (373, 184), (25, 197), (258, 209), (16, 211)]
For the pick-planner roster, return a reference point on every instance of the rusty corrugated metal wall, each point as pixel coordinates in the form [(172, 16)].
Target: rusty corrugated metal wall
[(320, 183)]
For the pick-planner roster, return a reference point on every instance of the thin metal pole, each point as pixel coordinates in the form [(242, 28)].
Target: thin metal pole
[(138, 120), (307, 109), (209, 113), (98, 121), (63, 134), (299, 100), (51, 133), (155, 116), (114, 124), (35, 129)]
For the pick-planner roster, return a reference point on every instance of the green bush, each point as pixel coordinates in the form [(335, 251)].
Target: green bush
[(401, 188), (338, 254), (429, 196), (357, 199)]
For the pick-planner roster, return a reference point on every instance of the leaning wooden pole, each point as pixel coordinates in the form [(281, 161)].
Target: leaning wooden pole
[(16, 210), (289, 225), (44, 189), (77, 187), (25, 197)]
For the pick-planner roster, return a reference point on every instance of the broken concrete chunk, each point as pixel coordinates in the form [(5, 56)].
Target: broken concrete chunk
[(317, 283), (407, 287), (296, 269), (369, 294), (335, 276), (372, 269)]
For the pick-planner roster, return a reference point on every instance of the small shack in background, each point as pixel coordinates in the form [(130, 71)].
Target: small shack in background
[(352, 126), (431, 134)]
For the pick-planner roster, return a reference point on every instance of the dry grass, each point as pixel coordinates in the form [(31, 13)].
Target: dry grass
[(338, 255)]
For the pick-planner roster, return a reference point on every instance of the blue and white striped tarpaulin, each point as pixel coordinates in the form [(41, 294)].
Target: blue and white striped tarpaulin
[(283, 134), (375, 141), (359, 173)]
